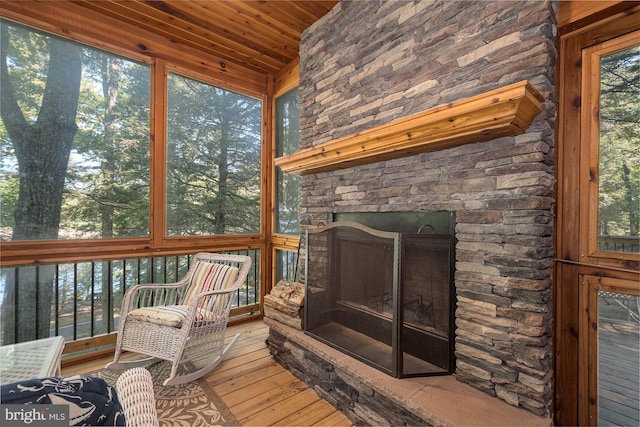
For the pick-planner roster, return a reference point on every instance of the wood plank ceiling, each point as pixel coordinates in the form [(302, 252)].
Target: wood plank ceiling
[(263, 36)]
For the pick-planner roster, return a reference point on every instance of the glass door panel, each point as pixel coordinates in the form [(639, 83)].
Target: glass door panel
[(610, 351), (618, 359), (619, 151), (611, 159)]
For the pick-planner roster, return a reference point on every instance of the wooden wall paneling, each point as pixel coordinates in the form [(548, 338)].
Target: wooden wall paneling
[(305, 12), (272, 41), (289, 24), (567, 238), (261, 36), (566, 352), (588, 320), (262, 46), (287, 78)]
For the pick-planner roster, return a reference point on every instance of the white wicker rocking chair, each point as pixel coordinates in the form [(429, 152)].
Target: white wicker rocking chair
[(183, 322)]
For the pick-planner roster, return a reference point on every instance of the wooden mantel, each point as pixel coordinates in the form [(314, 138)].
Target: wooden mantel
[(506, 111)]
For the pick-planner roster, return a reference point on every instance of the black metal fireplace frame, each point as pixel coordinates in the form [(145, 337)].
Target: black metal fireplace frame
[(438, 350)]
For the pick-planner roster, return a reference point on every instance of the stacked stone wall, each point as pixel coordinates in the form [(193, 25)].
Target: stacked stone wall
[(368, 63)]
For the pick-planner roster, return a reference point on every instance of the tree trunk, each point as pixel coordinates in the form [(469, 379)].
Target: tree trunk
[(112, 69), (220, 214), (42, 151)]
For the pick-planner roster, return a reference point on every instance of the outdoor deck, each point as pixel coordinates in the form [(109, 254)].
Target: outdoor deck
[(254, 387), (619, 371)]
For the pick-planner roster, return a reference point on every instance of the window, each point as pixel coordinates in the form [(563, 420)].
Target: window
[(612, 87), (76, 152), (74, 139), (102, 157), (213, 160), (287, 265), (287, 188), (287, 130)]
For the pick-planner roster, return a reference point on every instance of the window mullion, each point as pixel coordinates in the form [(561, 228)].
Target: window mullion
[(158, 152)]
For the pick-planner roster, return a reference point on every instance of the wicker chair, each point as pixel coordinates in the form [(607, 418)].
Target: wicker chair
[(135, 393), (183, 322)]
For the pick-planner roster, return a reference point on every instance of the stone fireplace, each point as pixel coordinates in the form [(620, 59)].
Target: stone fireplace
[(367, 64)]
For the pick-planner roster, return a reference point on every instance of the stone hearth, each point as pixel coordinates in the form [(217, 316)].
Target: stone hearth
[(369, 397)]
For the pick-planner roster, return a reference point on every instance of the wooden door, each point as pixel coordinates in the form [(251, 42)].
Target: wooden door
[(597, 273)]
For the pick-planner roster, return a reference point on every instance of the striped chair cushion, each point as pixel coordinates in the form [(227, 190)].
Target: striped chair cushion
[(170, 315), (209, 277)]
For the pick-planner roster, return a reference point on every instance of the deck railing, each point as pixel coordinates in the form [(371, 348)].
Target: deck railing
[(86, 296), (628, 244)]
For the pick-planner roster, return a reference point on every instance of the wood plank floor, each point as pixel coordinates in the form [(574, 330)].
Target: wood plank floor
[(257, 390), (618, 368)]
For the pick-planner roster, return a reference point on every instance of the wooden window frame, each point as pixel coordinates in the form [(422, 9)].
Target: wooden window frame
[(590, 141), (68, 20), (283, 82)]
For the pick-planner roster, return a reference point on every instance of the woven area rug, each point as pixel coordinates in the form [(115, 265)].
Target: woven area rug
[(191, 404)]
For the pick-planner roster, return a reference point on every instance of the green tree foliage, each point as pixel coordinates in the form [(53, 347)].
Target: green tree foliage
[(109, 183), (213, 160), (287, 142), (101, 175), (619, 170)]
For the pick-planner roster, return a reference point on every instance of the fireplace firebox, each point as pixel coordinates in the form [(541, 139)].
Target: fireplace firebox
[(383, 297)]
